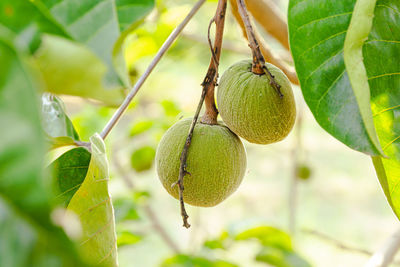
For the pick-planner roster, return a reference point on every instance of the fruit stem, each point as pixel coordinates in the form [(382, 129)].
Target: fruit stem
[(210, 81), (258, 67), (207, 96)]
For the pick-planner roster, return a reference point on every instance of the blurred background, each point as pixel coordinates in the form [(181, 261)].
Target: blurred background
[(335, 215)]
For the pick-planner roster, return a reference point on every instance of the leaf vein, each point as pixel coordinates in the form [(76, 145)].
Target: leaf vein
[(325, 18), (323, 63)]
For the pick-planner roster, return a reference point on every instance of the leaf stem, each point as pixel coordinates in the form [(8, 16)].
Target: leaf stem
[(167, 44), (258, 59), (207, 95)]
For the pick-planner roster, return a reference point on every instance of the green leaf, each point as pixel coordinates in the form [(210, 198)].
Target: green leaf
[(141, 127), (281, 258), (125, 209), (96, 24), (74, 71), (69, 172), (182, 260), (125, 238), (54, 119), (28, 236), (142, 159), (170, 108), (357, 33), (267, 236), (317, 31), (381, 53), (92, 204), (131, 11)]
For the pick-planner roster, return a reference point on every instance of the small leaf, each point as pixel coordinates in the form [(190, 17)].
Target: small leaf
[(281, 258), (54, 119), (170, 108), (142, 158), (125, 209), (182, 260), (69, 172), (74, 71), (92, 204), (267, 236), (127, 238), (141, 127), (214, 244)]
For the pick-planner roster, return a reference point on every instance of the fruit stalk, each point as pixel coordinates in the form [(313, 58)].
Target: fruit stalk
[(258, 59), (211, 112)]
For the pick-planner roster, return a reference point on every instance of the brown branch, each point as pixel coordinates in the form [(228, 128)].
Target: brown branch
[(270, 18), (207, 95), (258, 59), (265, 50)]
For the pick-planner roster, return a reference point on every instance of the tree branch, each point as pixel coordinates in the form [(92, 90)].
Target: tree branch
[(270, 18), (258, 59), (343, 246), (207, 95), (384, 256), (167, 44), (265, 50)]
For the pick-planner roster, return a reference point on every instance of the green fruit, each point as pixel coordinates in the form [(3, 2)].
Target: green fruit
[(252, 108), (216, 162), (303, 172)]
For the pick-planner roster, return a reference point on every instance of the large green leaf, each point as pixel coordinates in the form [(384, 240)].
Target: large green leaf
[(92, 204), (74, 71), (381, 58), (96, 24), (339, 96), (317, 31), (28, 236)]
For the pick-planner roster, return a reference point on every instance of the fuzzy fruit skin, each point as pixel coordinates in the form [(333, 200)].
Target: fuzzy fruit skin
[(252, 108), (216, 161)]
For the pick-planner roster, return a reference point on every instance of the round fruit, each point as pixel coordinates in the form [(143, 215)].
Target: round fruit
[(252, 108), (216, 162), (303, 172)]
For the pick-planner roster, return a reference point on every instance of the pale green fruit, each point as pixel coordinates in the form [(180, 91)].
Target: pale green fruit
[(252, 108), (216, 161)]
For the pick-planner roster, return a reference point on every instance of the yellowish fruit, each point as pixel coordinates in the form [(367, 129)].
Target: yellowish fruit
[(216, 162), (252, 108)]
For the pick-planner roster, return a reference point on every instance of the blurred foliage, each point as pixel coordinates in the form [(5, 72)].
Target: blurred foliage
[(142, 158), (29, 236), (183, 260)]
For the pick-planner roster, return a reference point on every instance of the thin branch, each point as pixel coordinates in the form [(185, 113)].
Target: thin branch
[(265, 49), (341, 245), (157, 226), (270, 18), (336, 242), (385, 255), (258, 59), (207, 95), (167, 44)]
